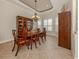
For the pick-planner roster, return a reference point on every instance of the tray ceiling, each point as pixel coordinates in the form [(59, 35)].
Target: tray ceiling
[(42, 5)]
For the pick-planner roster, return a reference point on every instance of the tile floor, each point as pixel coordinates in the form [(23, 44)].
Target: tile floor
[(48, 50)]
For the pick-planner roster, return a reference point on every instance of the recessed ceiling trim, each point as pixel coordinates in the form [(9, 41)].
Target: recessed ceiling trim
[(45, 10), (36, 9)]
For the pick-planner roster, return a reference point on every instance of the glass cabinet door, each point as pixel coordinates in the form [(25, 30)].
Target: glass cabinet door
[(29, 24)]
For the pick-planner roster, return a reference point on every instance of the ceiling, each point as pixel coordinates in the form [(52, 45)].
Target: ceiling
[(42, 5)]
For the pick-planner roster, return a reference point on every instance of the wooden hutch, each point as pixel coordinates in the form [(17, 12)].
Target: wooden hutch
[(22, 24)]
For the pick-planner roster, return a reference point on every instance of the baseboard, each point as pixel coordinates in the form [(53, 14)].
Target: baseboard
[(5, 41), (52, 35), (76, 58)]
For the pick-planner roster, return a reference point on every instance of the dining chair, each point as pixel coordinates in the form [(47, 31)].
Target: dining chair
[(31, 37), (38, 38), (40, 34), (19, 40), (14, 35), (44, 33), (28, 37), (34, 39)]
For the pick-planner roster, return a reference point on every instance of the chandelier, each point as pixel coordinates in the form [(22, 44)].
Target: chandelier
[(35, 17)]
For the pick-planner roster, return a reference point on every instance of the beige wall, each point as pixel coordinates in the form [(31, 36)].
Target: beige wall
[(74, 30), (71, 5), (8, 13)]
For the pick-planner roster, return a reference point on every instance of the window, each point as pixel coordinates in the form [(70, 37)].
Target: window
[(49, 21), (49, 28), (39, 23), (45, 23), (48, 24)]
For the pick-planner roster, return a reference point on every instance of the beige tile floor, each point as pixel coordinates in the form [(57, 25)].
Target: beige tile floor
[(48, 50)]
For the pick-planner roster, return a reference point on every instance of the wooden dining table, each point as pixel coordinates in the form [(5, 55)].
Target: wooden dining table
[(32, 33)]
